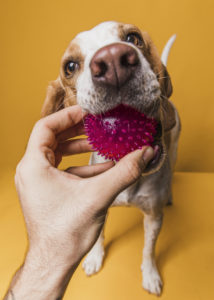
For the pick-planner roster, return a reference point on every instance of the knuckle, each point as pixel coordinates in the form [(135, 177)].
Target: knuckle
[(23, 170), (18, 173), (40, 124), (69, 116), (18, 169)]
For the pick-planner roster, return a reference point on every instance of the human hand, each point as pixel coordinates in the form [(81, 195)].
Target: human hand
[(65, 211)]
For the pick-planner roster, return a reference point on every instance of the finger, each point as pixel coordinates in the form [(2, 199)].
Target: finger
[(89, 171), (123, 174), (58, 159), (77, 130), (64, 119), (74, 147), (44, 132)]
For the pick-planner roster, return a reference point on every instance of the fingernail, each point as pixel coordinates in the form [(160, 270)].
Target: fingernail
[(148, 154)]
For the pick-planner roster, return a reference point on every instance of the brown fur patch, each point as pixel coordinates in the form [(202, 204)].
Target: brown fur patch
[(125, 29), (151, 54), (62, 92), (72, 53), (54, 98)]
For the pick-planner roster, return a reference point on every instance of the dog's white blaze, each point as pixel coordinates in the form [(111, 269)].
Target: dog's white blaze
[(98, 37), (103, 34)]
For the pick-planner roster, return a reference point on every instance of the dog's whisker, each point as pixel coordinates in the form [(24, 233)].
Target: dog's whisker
[(161, 71), (163, 77), (165, 97), (60, 106), (70, 96)]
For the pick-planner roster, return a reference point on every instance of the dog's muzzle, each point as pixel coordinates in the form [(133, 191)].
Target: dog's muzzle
[(113, 65)]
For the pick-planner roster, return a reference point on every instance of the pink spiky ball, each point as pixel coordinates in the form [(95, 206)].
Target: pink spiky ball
[(119, 131)]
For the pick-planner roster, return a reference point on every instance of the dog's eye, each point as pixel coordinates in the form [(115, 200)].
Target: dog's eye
[(71, 67), (135, 39)]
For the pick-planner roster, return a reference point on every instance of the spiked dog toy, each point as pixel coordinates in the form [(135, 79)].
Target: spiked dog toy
[(120, 131)]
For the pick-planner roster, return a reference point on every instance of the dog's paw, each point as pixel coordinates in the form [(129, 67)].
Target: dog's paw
[(93, 262), (151, 279)]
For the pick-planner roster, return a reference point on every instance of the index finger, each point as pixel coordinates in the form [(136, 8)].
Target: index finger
[(45, 131), (64, 119)]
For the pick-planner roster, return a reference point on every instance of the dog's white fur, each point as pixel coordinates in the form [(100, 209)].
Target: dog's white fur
[(150, 193)]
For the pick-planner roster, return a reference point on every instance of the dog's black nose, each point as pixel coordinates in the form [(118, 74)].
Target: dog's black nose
[(114, 64)]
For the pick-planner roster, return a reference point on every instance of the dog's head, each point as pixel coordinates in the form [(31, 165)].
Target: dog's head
[(113, 63)]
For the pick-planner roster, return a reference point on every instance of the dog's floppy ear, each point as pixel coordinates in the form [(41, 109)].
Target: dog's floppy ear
[(165, 82), (168, 115), (54, 100), (168, 111)]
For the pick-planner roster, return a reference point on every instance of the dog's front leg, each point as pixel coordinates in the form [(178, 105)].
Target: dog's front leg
[(151, 278), (94, 259)]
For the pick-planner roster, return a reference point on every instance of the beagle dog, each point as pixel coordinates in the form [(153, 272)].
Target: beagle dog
[(116, 63)]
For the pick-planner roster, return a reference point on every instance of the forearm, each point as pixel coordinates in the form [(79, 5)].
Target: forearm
[(40, 278)]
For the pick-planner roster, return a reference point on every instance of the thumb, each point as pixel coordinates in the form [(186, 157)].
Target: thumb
[(124, 173)]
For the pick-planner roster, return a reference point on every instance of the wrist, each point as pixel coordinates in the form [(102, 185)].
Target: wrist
[(42, 276)]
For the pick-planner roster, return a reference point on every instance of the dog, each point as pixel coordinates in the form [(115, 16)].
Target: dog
[(116, 63)]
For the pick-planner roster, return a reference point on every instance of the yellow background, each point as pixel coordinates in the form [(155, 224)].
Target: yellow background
[(34, 35)]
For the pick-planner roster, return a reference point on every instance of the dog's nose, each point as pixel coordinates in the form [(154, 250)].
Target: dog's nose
[(114, 64)]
